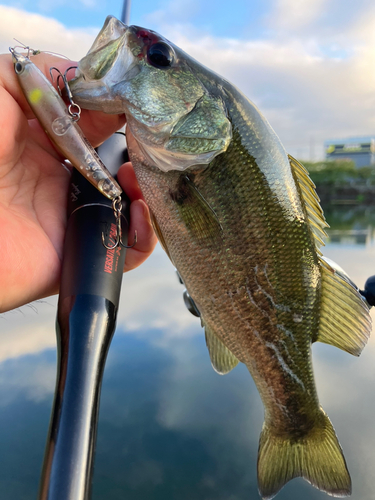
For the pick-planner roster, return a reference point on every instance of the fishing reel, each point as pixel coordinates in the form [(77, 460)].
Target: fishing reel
[(369, 292), (189, 302)]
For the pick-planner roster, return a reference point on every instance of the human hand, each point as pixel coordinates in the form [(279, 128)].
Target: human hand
[(33, 193)]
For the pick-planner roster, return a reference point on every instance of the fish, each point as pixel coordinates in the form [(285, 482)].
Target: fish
[(52, 113), (240, 220)]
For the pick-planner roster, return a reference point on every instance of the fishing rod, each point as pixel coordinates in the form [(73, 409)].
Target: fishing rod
[(86, 319), (91, 277)]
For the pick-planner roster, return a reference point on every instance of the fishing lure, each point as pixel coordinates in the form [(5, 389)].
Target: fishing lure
[(59, 123)]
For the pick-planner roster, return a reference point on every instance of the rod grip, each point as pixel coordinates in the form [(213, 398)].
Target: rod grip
[(86, 319)]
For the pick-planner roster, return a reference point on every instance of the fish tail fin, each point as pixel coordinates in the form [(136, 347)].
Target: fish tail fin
[(317, 457)]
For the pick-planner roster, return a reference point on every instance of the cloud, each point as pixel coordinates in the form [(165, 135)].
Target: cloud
[(28, 330), (27, 378), (289, 14), (42, 33), (183, 398)]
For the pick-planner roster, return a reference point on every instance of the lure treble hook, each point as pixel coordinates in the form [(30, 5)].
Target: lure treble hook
[(117, 207), (73, 108)]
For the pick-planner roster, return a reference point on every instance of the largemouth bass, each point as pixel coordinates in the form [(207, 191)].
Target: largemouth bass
[(241, 222)]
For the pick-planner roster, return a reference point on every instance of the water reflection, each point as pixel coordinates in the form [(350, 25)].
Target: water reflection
[(170, 427), (351, 225)]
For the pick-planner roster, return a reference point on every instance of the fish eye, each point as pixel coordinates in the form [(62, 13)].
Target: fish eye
[(19, 67), (160, 55)]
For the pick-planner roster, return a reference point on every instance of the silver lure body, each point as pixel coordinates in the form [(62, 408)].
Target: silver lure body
[(60, 126)]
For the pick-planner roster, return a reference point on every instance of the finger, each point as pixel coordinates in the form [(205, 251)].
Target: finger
[(128, 182), (98, 126), (146, 240), (13, 126)]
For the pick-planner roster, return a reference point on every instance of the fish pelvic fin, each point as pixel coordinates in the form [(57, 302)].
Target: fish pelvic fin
[(317, 457), (345, 320), (222, 360)]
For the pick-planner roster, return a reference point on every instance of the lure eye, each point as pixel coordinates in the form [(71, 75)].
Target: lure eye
[(160, 55), (19, 67)]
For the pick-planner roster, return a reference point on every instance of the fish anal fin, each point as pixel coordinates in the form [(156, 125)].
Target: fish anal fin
[(222, 360), (344, 317), (317, 457), (311, 200)]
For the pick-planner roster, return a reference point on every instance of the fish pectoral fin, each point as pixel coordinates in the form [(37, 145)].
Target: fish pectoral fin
[(311, 200), (205, 129), (222, 360), (197, 215), (344, 318), (317, 457)]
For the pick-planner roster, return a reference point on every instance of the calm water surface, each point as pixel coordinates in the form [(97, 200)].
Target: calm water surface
[(170, 427)]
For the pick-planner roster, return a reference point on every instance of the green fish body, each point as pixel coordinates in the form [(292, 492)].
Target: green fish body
[(241, 222)]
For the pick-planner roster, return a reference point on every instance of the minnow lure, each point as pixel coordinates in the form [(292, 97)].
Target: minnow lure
[(61, 126)]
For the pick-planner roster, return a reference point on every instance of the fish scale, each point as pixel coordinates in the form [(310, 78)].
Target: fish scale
[(241, 222)]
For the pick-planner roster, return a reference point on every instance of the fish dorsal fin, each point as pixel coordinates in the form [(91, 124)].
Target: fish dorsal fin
[(315, 214), (222, 360), (344, 317)]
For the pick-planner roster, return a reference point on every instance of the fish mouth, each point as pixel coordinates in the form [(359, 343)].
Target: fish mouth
[(105, 65), (111, 30)]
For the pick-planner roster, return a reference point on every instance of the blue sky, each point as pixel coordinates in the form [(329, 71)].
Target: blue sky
[(240, 19), (235, 18)]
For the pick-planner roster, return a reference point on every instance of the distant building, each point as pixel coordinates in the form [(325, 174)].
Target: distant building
[(361, 150)]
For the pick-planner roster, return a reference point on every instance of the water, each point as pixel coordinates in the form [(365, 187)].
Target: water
[(170, 427)]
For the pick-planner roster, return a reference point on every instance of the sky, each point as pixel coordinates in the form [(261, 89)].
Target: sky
[(308, 65)]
